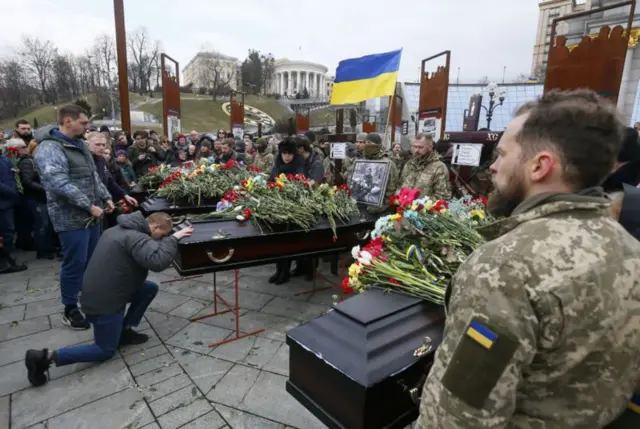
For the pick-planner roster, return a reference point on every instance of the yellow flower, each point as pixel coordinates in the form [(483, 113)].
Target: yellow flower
[(414, 207), (395, 217), (354, 270), (428, 205), (444, 211), (477, 213)]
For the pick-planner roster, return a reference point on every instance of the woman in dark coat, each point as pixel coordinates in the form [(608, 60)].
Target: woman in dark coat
[(36, 200), (287, 162)]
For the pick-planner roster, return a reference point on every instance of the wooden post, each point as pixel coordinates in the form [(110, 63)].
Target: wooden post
[(339, 121), (123, 79)]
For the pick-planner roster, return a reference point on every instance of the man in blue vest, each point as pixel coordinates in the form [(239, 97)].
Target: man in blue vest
[(76, 199)]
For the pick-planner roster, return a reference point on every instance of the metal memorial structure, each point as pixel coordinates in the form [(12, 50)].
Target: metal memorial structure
[(434, 90), (597, 63), (171, 114), (123, 79), (236, 117), (303, 116), (395, 117)]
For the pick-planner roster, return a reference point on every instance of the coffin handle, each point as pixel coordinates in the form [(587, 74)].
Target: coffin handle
[(362, 235), (222, 260)]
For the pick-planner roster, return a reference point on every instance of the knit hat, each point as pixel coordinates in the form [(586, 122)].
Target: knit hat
[(121, 152), (206, 144), (630, 147), (373, 138), (287, 146), (260, 143), (361, 137)]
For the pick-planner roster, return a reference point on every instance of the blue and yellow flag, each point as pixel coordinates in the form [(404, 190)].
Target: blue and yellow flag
[(371, 76)]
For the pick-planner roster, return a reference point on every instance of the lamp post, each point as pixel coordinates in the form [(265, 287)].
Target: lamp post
[(495, 92)]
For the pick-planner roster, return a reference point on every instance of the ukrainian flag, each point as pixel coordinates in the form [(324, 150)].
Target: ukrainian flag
[(634, 404), (371, 76), (481, 334)]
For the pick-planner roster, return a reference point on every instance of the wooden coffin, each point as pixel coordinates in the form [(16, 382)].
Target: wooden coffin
[(229, 244), (355, 368), (156, 204)]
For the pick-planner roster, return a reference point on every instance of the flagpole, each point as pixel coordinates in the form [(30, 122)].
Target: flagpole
[(386, 127)]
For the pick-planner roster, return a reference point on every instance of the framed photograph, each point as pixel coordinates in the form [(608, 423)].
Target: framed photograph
[(369, 180)]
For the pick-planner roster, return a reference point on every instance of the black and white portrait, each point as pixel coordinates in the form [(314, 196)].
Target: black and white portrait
[(369, 181)]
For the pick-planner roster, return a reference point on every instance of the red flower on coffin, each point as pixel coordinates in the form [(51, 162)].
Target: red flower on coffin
[(345, 286), (247, 214), (253, 169), (439, 205), (392, 280)]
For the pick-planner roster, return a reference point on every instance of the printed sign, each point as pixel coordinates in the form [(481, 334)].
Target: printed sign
[(173, 123), (466, 154), (338, 151), (238, 132), (430, 125)]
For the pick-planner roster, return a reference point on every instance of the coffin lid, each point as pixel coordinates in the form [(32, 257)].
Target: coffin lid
[(373, 335)]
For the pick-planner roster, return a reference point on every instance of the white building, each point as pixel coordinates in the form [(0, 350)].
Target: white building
[(292, 77), (207, 69)]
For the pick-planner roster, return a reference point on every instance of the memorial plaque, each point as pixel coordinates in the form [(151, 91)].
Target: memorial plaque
[(356, 366)]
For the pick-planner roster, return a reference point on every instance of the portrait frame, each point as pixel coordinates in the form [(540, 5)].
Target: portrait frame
[(369, 181)]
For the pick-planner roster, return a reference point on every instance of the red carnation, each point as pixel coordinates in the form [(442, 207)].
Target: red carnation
[(345, 286), (254, 169), (392, 280), (247, 214)]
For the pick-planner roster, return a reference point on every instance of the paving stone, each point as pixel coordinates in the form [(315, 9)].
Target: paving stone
[(10, 314), (176, 288), (160, 374), (293, 309), (253, 351), (126, 409), (324, 297), (13, 378), (162, 361), (9, 331), (58, 396), (180, 398), (223, 278), (198, 290), (225, 320), (153, 425), (182, 415), (234, 386), (248, 299), (30, 295), (44, 308), (141, 348), (164, 302), (280, 362), (166, 387), (5, 412), (204, 370), (208, 421), (241, 420), (164, 325), (275, 327), (189, 308), (269, 389), (197, 336), (135, 358)]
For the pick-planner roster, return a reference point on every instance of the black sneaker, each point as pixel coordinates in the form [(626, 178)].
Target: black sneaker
[(129, 337), (75, 320), (37, 363)]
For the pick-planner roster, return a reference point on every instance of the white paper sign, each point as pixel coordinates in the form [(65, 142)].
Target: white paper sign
[(431, 126), (238, 132), (338, 151), (466, 154), (173, 123)]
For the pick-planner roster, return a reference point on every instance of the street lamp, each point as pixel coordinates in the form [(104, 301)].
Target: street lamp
[(495, 92)]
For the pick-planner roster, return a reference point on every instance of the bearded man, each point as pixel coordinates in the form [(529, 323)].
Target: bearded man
[(542, 322)]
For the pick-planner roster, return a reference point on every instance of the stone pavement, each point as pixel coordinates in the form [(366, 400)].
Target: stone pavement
[(173, 381)]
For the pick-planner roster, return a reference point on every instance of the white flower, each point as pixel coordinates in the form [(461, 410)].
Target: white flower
[(365, 258), (240, 218), (355, 252), (237, 209), (236, 188)]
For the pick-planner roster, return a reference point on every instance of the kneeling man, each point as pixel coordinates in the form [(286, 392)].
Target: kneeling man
[(116, 275)]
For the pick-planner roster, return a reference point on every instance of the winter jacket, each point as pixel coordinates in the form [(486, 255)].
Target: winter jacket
[(223, 159), (118, 175), (107, 178), (30, 179), (294, 167), (313, 168), (9, 195), (127, 172), (131, 252), (69, 176), (141, 167)]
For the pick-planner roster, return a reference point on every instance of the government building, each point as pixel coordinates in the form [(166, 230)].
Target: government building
[(293, 77)]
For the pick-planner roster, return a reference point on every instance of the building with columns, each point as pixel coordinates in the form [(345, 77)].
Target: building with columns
[(292, 77)]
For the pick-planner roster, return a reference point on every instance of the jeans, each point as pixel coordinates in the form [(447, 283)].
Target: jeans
[(43, 229), (107, 329), (7, 228), (77, 248)]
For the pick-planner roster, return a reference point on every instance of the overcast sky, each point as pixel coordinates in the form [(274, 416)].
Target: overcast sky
[(483, 36)]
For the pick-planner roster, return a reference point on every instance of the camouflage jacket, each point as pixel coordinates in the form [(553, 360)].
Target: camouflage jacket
[(392, 183), (330, 173), (428, 174), (263, 161), (542, 323)]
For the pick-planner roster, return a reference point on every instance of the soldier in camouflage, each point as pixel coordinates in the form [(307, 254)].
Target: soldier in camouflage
[(263, 159), (425, 171), (334, 175), (542, 322), (372, 150), (360, 143)]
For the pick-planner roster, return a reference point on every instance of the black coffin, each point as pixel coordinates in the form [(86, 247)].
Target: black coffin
[(139, 193), (229, 244), (354, 367), (156, 204)]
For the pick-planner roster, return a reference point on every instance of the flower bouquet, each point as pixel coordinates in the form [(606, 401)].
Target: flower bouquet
[(155, 176), (14, 155), (205, 182), (418, 249)]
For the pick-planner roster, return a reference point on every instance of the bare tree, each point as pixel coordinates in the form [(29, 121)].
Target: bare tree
[(38, 57), (216, 73), (15, 92), (144, 53)]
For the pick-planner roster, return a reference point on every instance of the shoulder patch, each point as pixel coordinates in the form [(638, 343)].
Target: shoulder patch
[(479, 360)]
